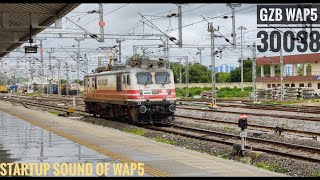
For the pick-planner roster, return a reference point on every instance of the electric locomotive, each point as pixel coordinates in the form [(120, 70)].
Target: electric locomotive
[(141, 91)]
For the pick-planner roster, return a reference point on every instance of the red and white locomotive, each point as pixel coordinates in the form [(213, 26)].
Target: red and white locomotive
[(142, 91)]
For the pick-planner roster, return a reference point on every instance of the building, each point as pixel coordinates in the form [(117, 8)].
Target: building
[(310, 79), (222, 68)]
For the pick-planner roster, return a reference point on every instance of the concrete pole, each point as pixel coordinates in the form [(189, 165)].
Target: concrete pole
[(213, 65), (99, 61), (78, 65), (42, 64), (119, 41), (233, 6), (143, 52), (187, 77), (59, 80), (29, 85), (119, 51), (241, 28), (50, 72), (180, 27), (168, 52), (180, 75), (67, 78), (281, 74), (87, 64), (200, 49), (234, 28), (254, 73), (101, 21)]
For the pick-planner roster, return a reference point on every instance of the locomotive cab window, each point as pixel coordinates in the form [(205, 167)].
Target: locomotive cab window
[(124, 79), (162, 78), (118, 81), (92, 82), (128, 79), (144, 78)]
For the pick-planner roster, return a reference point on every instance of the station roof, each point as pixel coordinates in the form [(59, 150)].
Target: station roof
[(15, 21), (290, 59)]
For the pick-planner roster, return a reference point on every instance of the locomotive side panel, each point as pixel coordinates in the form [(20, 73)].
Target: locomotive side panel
[(105, 87)]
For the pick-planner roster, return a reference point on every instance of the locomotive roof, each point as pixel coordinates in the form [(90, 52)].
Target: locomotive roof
[(161, 69)]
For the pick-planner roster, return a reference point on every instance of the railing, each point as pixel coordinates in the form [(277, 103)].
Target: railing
[(312, 73)]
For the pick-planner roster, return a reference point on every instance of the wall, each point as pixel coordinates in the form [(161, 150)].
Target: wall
[(218, 85)]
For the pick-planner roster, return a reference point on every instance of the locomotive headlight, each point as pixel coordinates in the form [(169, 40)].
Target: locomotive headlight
[(142, 109), (169, 91), (141, 93), (172, 108)]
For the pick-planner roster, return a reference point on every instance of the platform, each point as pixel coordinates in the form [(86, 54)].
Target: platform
[(160, 159)]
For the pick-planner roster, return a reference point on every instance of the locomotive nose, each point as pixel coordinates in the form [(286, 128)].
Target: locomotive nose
[(142, 109), (172, 108)]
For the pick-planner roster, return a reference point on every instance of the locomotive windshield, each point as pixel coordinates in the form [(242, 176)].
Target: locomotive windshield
[(162, 78), (144, 78)]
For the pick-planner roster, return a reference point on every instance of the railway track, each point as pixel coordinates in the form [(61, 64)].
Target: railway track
[(251, 126), (236, 103), (307, 153), (304, 118), (249, 105), (206, 135)]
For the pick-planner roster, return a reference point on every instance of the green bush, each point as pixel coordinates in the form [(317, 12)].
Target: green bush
[(222, 93)]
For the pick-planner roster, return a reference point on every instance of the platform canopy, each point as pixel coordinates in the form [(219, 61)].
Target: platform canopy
[(15, 21)]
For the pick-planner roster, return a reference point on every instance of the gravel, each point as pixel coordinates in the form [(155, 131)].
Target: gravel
[(257, 120), (235, 130), (271, 112)]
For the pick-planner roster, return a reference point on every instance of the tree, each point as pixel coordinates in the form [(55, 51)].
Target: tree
[(63, 81), (301, 67), (222, 77), (198, 73), (235, 75), (80, 82), (175, 67)]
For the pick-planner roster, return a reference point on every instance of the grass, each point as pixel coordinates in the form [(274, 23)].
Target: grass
[(139, 132), (163, 140), (271, 167), (34, 94), (54, 112), (315, 174), (289, 102), (224, 93), (228, 128)]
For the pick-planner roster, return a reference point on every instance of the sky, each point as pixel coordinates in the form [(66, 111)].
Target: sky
[(125, 18)]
